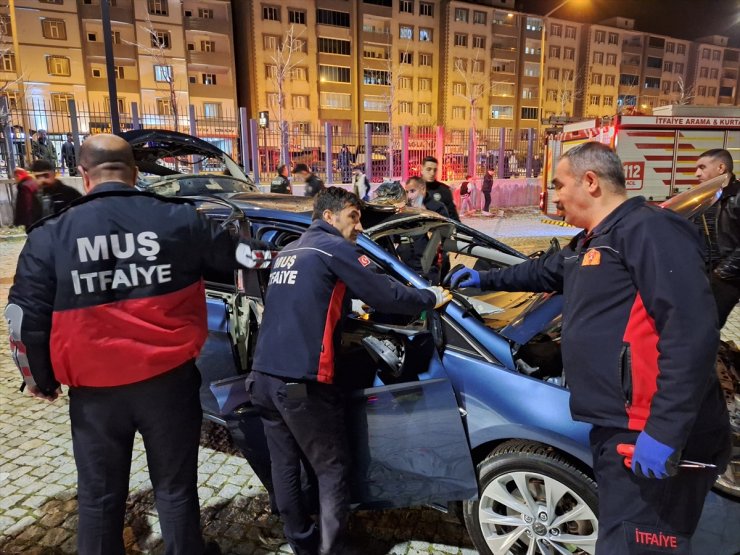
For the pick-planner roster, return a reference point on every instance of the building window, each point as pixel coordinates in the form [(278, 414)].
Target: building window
[(666, 87), (425, 59), (116, 37), (406, 58), (479, 41), (461, 14), (725, 91), (458, 112), (59, 2), (332, 17), (596, 79), (679, 67), (712, 91), (479, 18), (551, 94), (598, 58), (161, 39), (406, 32), (461, 64), (706, 54), (681, 49), (301, 127), (595, 100), (406, 6), (300, 101), (554, 51), (425, 35), (60, 102), (374, 103), (529, 113), (297, 17), (502, 112), (212, 110), (609, 80), (405, 83), (334, 74), (704, 72), (299, 74), (375, 52), (7, 62), (569, 53), (458, 89), (528, 93), (335, 101), (404, 107), (58, 65), (425, 84), (54, 29), (12, 98), (702, 90), (164, 106), (119, 72), (208, 46), (556, 30), (715, 55), (713, 73), (613, 38), (608, 101), (425, 108), (96, 72), (611, 59), (628, 79), (270, 42), (652, 82), (670, 47), (157, 7), (426, 9), (334, 46), (208, 78), (533, 24), (570, 32), (205, 13), (271, 71), (668, 67), (92, 37), (461, 39), (376, 77), (163, 74), (271, 13), (599, 37), (676, 87), (553, 73), (273, 100), (479, 66)]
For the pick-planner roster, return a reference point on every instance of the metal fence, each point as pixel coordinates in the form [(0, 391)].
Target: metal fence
[(459, 152)]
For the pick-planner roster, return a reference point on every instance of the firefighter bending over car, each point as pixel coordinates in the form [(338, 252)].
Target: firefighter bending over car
[(639, 345), (108, 299), (294, 388)]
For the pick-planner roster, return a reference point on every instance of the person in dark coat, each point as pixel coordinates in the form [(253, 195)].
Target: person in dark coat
[(27, 205), (69, 156), (281, 184), (345, 164), (313, 183), (486, 190), (436, 189), (53, 194)]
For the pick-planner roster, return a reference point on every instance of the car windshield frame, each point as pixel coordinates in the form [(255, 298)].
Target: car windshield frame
[(190, 185)]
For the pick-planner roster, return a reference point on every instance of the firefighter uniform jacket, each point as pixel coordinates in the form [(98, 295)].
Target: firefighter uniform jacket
[(111, 289), (315, 273), (639, 335)]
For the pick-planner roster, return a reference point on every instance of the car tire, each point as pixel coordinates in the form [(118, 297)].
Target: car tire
[(503, 522)]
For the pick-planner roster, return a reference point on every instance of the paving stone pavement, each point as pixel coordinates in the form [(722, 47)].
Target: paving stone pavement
[(38, 479)]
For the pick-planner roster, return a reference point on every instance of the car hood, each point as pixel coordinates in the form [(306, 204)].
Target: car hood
[(152, 145), (699, 199)]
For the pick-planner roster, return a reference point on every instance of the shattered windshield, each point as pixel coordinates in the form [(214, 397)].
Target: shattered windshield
[(199, 185)]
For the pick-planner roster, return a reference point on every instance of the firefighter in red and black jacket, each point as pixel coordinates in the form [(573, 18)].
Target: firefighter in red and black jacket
[(639, 343), (296, 388), (109, 300)]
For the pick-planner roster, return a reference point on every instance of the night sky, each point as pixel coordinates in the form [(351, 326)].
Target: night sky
[(687, 19)]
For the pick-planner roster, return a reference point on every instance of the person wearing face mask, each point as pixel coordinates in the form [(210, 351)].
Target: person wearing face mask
[(296, 390), (417, 197)]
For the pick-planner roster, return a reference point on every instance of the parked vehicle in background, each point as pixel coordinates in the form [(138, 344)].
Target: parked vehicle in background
[(659, 152)]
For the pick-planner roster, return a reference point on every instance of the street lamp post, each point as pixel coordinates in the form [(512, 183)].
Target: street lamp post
[(542, 57)]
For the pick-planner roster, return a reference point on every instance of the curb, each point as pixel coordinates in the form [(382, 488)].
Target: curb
[(555, 222)]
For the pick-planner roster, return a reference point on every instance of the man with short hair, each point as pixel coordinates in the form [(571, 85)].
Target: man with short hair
[(53, 194), (108, 299), (639, 346), (296, 390), (281, 184), (43, 149), (486, 190), (436, 189), (721, 227), (312, 183), (69, 156)]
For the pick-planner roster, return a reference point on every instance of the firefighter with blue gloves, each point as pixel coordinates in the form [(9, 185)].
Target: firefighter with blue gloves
[(639, 343)]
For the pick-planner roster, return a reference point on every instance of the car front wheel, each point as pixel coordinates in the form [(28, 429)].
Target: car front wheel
[(532, 501)]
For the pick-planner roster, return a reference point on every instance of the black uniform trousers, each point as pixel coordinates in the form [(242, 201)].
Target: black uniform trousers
[(643, 516), (726, 295), (487, 200), (306, 422), (166, 411)]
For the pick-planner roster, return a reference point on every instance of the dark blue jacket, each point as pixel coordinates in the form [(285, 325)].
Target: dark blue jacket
[(639, 336), (312, 283), (112, 290)]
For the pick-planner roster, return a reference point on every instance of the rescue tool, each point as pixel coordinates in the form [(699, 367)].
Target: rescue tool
[(672, 466)]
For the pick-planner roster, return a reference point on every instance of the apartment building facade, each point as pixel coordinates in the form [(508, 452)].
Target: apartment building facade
[(166, 53)]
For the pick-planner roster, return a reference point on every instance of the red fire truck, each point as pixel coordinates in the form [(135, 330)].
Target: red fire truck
[(659, 152)]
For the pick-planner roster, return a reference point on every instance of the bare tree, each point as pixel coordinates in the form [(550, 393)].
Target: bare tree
[(686, 94), (157, 48), (569, 87), (395, 72), (286, 58)]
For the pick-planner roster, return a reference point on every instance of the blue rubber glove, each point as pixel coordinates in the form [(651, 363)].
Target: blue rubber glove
[(653, 459), (467, 277)]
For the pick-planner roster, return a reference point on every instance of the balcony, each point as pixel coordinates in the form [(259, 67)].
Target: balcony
[(117, 14), (211, 91), (97, 49), (218, 26), (209, 58), (373, 34), (499, 29), (632, 48), (122, 85)]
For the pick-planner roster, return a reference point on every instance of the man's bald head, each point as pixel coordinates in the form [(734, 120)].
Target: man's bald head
[(107, 158)]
